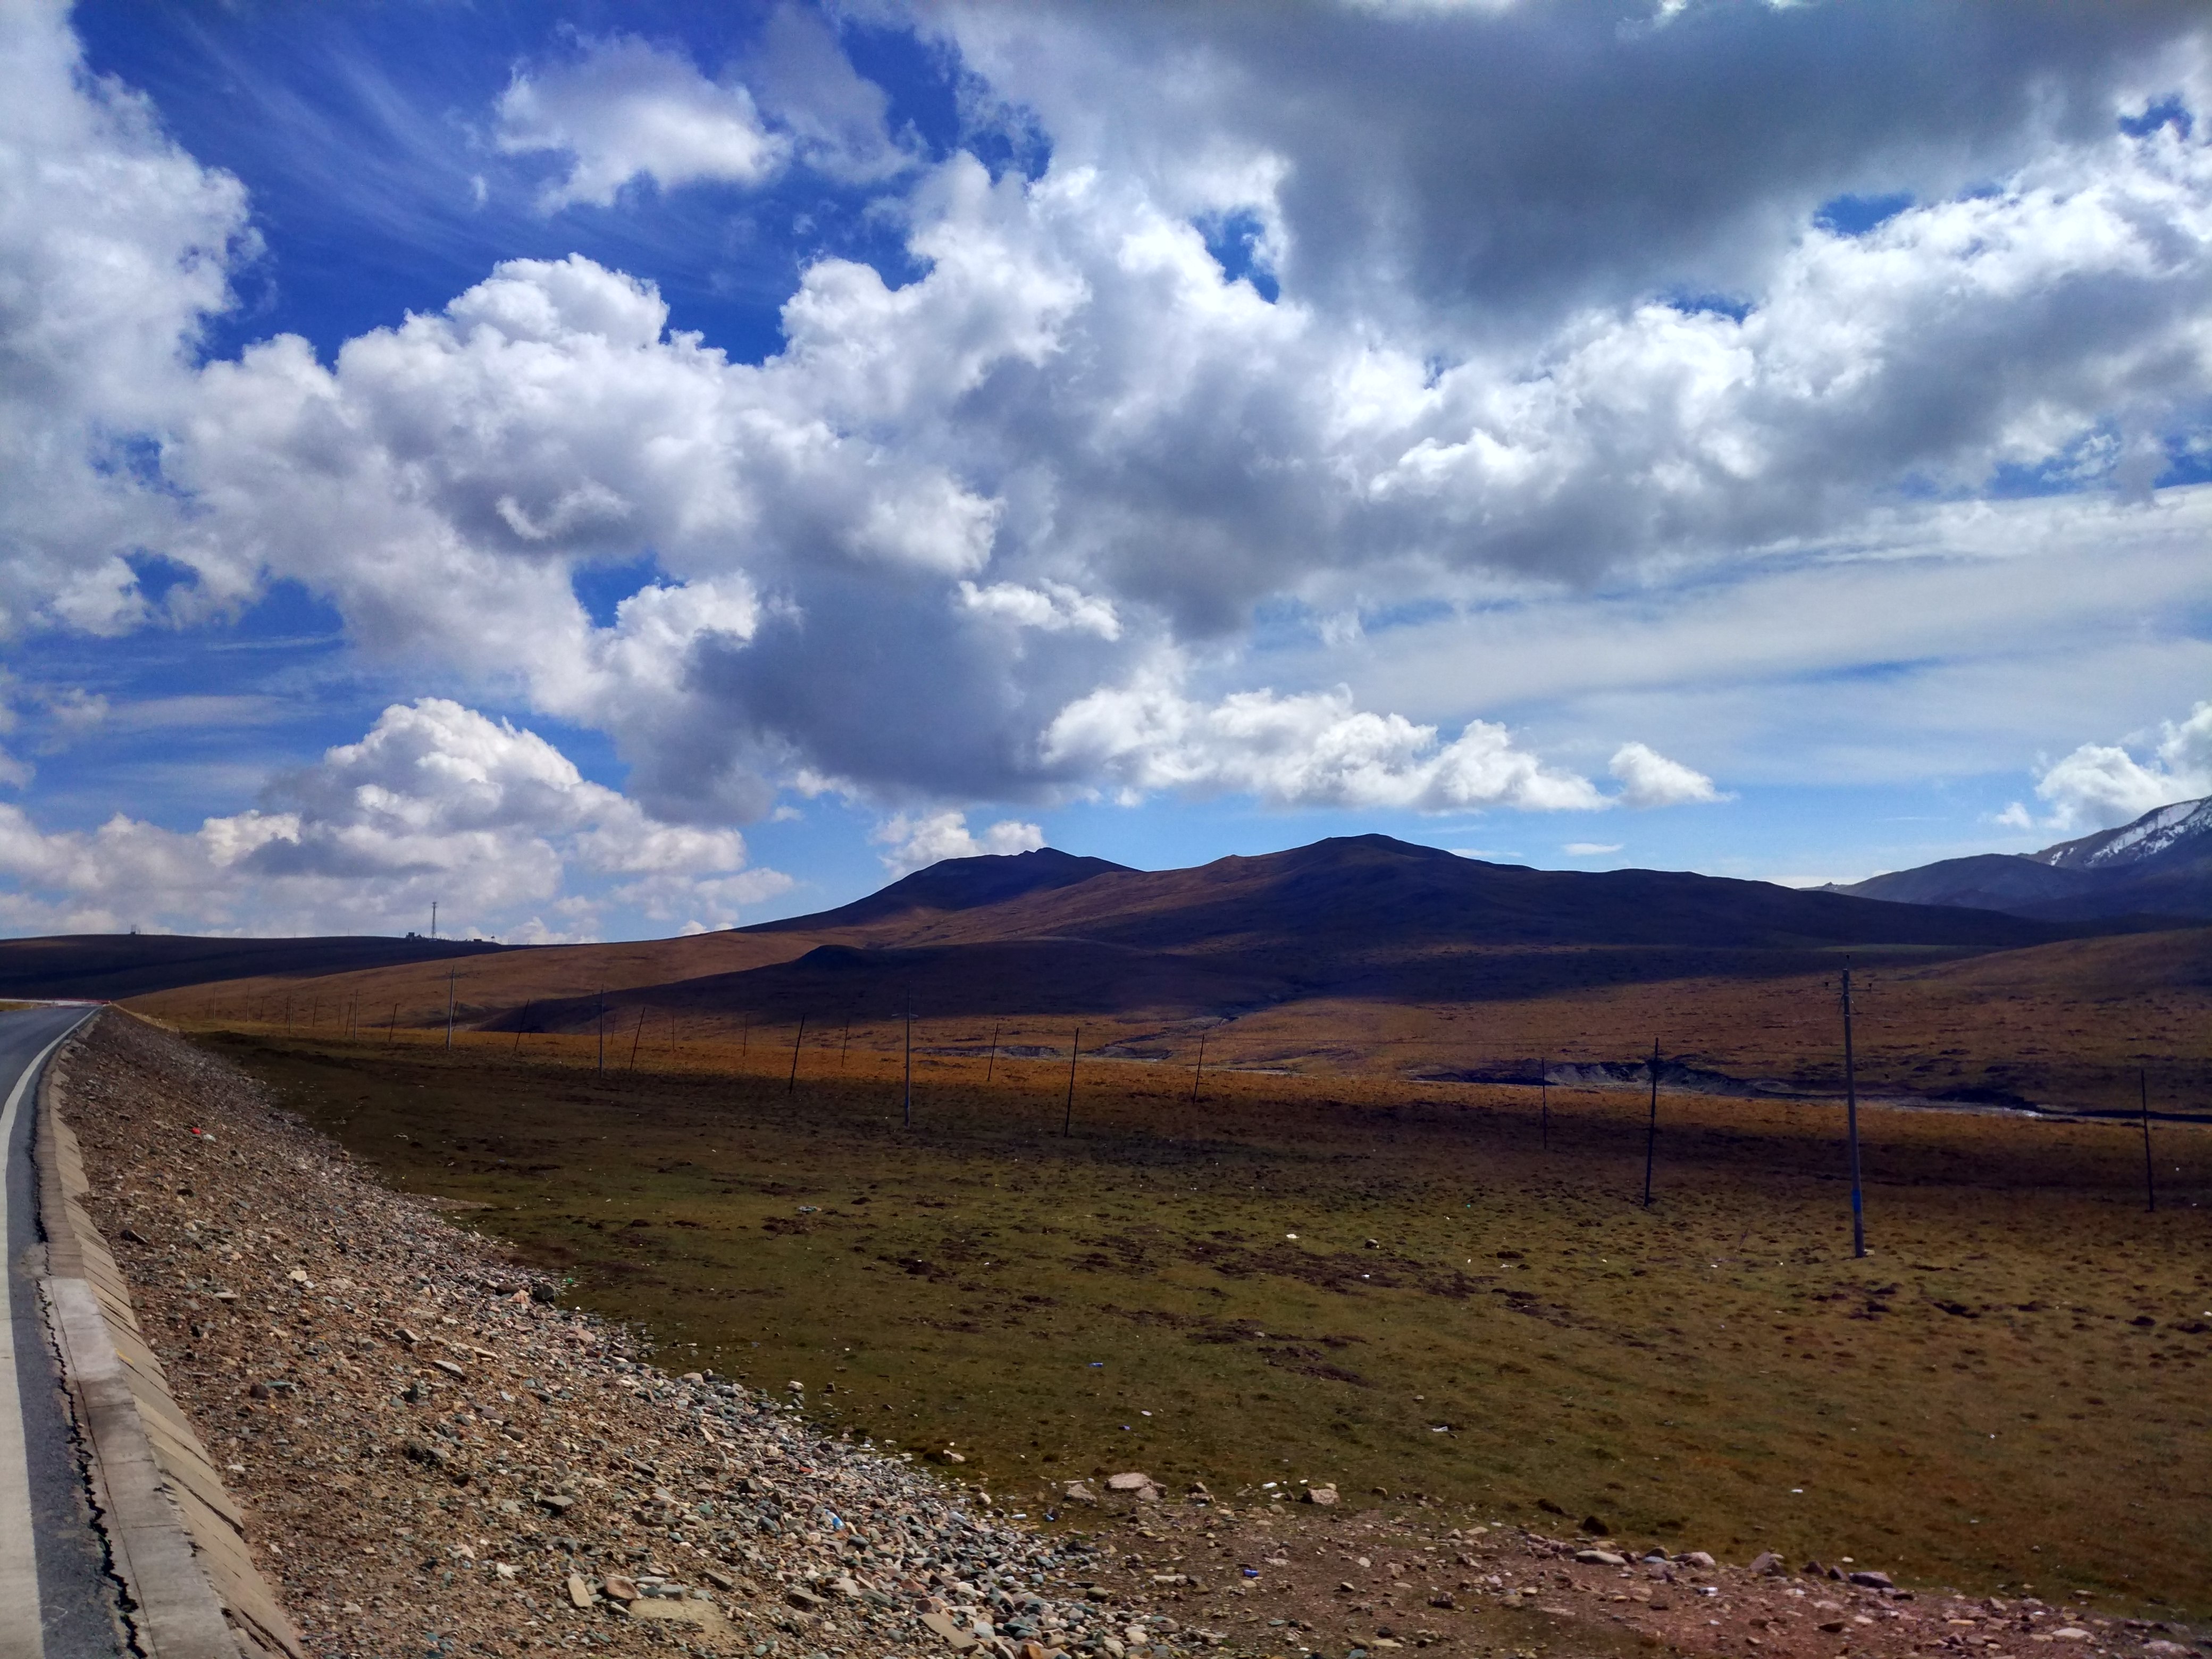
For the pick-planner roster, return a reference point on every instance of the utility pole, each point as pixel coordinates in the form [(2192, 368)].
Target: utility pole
[(909, 1060), (2150, 1184), (1198, 1071), (434, 918), (792, 1082), (1852, 1121), (637, 1037), (992, 1064), (449, 1007), (746, 1038), (1544, 1098), (520, 1024), (845, 1043), (1651, 1133), (391, 1025), (1067, 1121), (600, 1019)]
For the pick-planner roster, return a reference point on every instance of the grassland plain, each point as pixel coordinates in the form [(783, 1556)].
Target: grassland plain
[(1395, 1288)]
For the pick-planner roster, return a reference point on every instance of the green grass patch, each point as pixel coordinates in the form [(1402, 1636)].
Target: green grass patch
[(1387, 1287)]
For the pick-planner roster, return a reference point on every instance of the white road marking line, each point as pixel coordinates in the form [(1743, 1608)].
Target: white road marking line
[(20, 1638)]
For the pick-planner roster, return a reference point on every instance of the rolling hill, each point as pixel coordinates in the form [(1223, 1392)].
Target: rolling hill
[(1365, 917), (109, 966), (1359, 954)]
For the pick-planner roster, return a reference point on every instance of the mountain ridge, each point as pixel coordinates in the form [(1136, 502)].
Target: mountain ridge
[(954, 884), (2159, 865)]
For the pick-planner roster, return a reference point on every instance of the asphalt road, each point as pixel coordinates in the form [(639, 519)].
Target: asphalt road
[(56, 1598)]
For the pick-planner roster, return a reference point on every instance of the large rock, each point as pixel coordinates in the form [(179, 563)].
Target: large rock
[(1131, 1481), (942, 1626), (669, 1609)]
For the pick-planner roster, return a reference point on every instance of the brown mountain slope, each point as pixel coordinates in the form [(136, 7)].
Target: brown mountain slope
[(106, 966), (1361, 917), (484, 987), (953, 884), (1351, 897)]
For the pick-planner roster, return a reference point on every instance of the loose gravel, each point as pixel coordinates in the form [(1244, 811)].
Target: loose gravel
[(439, 1459)]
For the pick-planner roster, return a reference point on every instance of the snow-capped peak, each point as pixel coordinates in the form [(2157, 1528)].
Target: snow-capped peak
[(2131, 843)]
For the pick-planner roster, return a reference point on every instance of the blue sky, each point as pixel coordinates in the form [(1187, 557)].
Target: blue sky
[(619, 468)]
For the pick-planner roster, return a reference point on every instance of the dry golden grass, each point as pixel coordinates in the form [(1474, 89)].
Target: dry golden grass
[(2069, 1025)]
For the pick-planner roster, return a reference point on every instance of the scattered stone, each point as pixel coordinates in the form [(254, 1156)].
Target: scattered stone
[(1323, 1495), (1600, 1559), (803, 1599), (943, 1627), (450, 1370), (1767, 1564), (580, 1590), (1130, 1481), (1698, 1559), (620, 1589), (1080, 1493), (1595, 1527)]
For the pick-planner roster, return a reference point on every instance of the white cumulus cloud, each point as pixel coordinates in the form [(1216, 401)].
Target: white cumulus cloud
[(928, 548), (1307, 749), (437, 801), (1648, 778), (915, 843), (2100, 785), (623, 109)]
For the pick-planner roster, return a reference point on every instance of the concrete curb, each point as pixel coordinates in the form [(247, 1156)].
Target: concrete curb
[(177, 1539)]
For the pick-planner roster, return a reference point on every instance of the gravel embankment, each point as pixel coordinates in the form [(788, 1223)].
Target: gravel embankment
[(437, 1460)]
